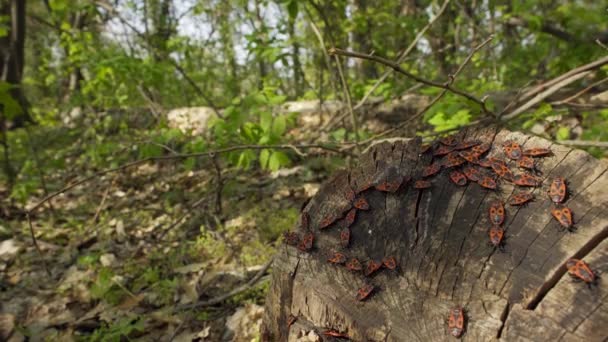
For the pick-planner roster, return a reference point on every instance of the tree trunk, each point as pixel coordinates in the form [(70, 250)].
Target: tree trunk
[(439, 237)]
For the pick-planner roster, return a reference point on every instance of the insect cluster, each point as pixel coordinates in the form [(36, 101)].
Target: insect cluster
[(463, 161)]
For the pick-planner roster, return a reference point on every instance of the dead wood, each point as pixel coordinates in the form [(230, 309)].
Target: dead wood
[(439, 238)]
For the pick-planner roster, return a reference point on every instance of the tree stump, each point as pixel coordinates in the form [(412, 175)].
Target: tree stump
[(439, 237)]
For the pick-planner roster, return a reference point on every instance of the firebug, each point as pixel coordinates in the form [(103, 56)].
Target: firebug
[(337, 258), (564, 217), (526, 179), (472, 173), (365, 291), (558, 190), (306, 243), (487, 182), (372, 267), (521, 198), (537, 152), (580, 270), (422, 184), (497, 235), (456, 321), (458, 178), (389, 262), (497, 213), (354, 265), (431, 169), (345, 237), (512, 150)]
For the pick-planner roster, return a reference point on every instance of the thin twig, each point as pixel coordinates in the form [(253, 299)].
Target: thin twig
[(349, 104), (219, 187), (103, 201), (435, 100), (403, 55), (543, 95), (35, 241), (232, 293), (399, 69), (599, 42), (569, 99), (584, 143), (295, 148), (590, 66)]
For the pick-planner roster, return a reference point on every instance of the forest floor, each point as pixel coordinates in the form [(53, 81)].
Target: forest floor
[(130, 253)]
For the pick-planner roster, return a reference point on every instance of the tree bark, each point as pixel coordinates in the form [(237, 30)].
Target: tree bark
[(439, 237)]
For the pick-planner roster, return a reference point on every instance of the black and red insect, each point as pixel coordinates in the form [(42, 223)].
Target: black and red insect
[(526, 179), (361, 203), (307, 242), (527, 163), (291, 320), (291, 238), (345, 237), (327, 221), (389, 263), (497, 213), (432, 169), (305, 221), (564, 215), (558, 190), (350, 217), (390, 180), (354, 265), (512, 150), (521, 198), (486, 162), (364, 292), (458, 178), (469, 156), (442, 150), (453, 159), (581, 271), (464, 145), (456, 321), (481, 149), (372, 267), (487, 182), (337, 258), (422, 184), (537, 152), (449, 140), (501, 169), (472, 173), (497, 238)]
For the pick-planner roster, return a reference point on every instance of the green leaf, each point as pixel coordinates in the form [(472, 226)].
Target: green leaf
[(278, 126), (292, 8), (563, 133), (277, 160), (265, 121), (264, 157)]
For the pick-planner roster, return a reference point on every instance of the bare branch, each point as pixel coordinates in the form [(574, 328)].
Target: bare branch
[(584, 143), (403, 55), (573, 97), (349, 104), (399, 69)]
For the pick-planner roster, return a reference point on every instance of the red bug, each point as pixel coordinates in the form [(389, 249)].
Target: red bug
[(527, 163), (389, 262), (291, 238), (463, 145), (327, 221), (564, 217), (361, 203), (291, 320), (387, 186), (431, 169), (472, 173), (364, 186), (458, 178), (345, 237), (487, 182), (307, 242), (526, 179), (453, 160), (481, 149), (486, 162), (456, 321), (350, 195), (558, 190), (512, 150), (372, 267), (422, 184), (469, 156), (337, 258), (580, 270), (350, 217), (537, 152), (497, 213), (501, 169), (354, 265), (364, 292), (449, 140), (336, 334), (497, 235), (442, 150), (521, 198)]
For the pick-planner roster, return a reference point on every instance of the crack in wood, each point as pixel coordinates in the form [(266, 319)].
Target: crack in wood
[(503, 319)]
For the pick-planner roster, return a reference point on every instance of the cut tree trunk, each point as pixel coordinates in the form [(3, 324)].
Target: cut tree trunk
[(439, 237)]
